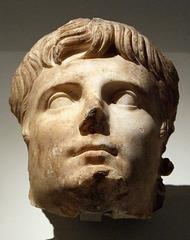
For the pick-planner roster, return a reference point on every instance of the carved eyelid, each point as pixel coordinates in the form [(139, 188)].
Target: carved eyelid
[(71, 90), (113, 89), (58, 95), (119, 94)]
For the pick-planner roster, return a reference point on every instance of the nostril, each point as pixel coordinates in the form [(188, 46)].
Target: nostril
[(95, 121)]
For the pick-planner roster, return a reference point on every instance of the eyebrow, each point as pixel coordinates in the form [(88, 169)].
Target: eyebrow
[(115, 86), (67, 87)]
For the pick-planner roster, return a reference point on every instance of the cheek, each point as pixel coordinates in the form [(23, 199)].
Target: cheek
[(52, 128), (142, 133), (48, 145), (136, 124), (46, 166), (138, 139)]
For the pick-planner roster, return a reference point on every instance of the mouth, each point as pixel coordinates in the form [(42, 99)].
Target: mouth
[(102, 147)]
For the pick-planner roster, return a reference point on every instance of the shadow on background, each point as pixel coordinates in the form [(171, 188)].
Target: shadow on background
[(172, 222)]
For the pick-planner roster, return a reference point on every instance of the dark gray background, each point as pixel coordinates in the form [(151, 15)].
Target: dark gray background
[(22, 23), (165, 22)]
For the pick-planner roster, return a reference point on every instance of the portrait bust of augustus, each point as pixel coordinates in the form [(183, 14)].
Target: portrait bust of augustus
[(97, 103)]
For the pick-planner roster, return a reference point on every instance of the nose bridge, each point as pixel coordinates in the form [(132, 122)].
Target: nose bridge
[(94, 99), (95, 118)]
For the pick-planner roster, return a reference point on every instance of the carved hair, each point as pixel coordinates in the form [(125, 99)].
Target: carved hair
[(95, 38)]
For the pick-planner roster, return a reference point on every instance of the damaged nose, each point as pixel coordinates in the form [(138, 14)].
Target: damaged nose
[(95, 121)]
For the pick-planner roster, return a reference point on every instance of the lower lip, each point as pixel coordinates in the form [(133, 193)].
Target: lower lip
[(95, 157)]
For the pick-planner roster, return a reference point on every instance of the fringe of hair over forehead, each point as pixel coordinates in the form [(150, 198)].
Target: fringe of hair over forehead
[(95, 37)]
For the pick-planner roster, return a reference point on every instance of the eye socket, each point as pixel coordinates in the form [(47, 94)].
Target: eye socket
[(59, 100), (126, 98)]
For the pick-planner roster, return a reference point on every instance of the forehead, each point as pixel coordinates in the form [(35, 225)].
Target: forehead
[(97, 70)]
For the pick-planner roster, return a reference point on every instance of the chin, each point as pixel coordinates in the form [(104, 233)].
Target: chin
[(102, 190), (92, 174)]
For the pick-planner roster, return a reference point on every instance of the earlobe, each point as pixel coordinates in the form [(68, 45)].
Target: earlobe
[(166, 167)]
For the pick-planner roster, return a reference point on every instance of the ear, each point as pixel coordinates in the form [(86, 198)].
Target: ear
[(25, 132), (164, 130), (166, 166)]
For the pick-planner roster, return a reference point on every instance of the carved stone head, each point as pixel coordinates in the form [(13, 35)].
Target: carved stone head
[(96, 102)]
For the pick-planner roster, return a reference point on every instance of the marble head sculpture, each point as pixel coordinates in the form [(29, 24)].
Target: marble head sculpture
[(97, 103)]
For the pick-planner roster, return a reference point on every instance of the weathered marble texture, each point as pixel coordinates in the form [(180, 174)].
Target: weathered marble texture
[(96, 102)]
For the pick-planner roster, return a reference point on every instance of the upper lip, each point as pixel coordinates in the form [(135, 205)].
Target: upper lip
[(89, 147)]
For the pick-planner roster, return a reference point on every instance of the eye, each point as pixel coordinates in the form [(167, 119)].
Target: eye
[(59, 100), (125, 98)]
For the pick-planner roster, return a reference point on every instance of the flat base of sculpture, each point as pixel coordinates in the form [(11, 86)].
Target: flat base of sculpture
[(95, 217)]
